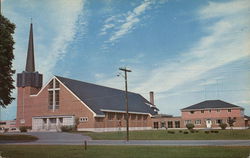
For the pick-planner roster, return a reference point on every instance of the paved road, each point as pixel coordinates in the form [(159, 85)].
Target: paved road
[(53, 138)]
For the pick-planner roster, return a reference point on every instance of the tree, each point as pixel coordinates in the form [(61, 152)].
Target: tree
[(6, 56), (190, 126), (231, 122)]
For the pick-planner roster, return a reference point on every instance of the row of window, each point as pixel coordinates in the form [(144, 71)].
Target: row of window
[(198, 122), (119, 116), (203, 111), (170, 124)]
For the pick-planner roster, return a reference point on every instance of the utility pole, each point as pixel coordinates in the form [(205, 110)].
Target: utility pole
[(126, 99)]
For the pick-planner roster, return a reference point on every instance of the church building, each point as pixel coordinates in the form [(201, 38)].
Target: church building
[(68, 102)]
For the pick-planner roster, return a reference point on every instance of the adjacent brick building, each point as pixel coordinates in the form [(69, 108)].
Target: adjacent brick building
[(206, 114)]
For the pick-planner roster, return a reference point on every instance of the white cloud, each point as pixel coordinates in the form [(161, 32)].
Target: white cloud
[(131, 19), (118, 26)]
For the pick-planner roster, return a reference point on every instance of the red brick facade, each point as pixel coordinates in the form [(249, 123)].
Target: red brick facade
[(33, 103)]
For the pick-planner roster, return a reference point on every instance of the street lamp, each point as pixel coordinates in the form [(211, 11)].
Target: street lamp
[(126, 99)]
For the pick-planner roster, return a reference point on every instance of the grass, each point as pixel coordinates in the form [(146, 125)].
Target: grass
[(173, 135), (17, 137), (43, 151)]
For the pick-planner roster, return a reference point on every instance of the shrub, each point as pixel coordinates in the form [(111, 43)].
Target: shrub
[(207, 132), (180, 131), (171, 132), (67, 128), (185, 132), (197, 131), (214, 131), (24, 128), (223, 126), (192, 130), (190, 126)]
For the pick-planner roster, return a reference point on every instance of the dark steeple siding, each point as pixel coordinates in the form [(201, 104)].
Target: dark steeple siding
[(29, 77), (30, 62), (99, 98), (211, 104)]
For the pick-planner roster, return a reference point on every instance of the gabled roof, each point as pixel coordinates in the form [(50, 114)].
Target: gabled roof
[(210, 104), (99, 98)]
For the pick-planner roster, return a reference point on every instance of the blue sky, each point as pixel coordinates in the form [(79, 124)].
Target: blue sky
[(186, 51)]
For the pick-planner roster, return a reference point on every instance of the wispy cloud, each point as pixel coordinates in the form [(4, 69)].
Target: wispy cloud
[(115, 27)]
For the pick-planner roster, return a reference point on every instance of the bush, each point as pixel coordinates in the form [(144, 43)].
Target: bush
[(171, 132), (185, 132), (68, 128), (180, 131), (214, 131), (207, 132), (223, 126), (192, 130), (190, 126), (24, 128)]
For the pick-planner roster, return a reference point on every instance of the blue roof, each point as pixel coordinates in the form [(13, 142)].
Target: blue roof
[(99, 98)]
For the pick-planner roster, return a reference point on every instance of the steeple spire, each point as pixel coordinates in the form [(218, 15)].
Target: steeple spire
[(30, 62)]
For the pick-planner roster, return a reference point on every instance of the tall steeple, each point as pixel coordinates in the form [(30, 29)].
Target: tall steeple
[(30, 77), (30, 62)]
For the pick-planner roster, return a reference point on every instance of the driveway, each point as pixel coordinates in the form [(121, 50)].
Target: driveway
[(54, 138)]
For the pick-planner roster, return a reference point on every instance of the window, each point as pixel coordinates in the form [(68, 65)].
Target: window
[(210, 110), (50, 97), (110, 116), (218, 110), (83, 119), (187, 122), (53, 95), (163, 124), (139, 117), (118, 116), (229, 110), (133, 117), (177, 124), (197, 122), (191, 112), (170, 124), (145, 117), (202, 111), (219, 121)]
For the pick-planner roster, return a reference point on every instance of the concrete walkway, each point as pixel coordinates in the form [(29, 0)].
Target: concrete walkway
[(54, 138)]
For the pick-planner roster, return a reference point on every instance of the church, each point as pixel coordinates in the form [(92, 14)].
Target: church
[(68, 102)]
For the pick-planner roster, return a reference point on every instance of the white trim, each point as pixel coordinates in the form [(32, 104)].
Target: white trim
[(131, 112), (76, 96), (151, 105), (182, 110), (114, 129), (52, 116)]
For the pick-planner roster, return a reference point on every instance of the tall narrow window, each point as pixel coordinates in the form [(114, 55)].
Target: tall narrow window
[(53, 95)]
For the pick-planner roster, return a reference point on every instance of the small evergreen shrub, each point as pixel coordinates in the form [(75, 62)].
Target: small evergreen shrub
[(24, 128), (223, 126), (67, 128), (185, 132), (171, 132), (207, 132), (190, 126), (180, 131)]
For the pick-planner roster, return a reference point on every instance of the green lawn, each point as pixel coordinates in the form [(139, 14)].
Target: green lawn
[(17, 137), (164, 135), (41, 151)]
